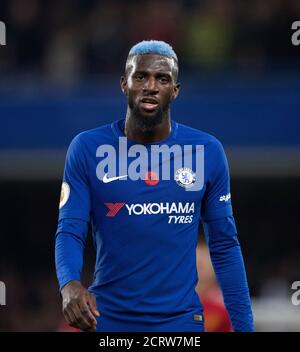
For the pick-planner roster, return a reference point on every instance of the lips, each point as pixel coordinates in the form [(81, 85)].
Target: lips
[(149, 103)]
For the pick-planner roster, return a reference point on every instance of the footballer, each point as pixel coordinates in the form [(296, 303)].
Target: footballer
[(145, 182)]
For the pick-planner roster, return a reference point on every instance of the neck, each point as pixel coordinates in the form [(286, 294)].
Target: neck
[(157, 133)]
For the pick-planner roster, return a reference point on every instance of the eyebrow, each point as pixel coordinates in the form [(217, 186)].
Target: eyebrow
[(158, 73)]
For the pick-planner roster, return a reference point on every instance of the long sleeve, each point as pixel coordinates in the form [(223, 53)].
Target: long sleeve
[(228, 263), (74, 215), (69, 249)]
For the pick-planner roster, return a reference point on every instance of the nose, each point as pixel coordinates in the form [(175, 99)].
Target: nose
[(150, 85)]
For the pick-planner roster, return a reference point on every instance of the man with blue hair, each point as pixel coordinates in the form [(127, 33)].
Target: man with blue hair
[(145, 229)]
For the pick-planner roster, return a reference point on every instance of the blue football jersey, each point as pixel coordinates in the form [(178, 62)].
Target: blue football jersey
[(145, 230)]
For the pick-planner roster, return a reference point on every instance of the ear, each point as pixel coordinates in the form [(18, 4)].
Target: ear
[(123, 83), (176, 90)]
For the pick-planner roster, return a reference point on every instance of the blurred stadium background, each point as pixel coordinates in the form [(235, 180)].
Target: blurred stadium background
[(240, 81)]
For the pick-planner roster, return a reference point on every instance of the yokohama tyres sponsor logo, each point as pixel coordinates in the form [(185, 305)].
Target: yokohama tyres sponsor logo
[(152, 208), (114, 208)]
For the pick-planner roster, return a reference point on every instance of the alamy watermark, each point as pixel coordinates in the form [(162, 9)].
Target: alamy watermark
[(296, 35), (2, 294), (296, 295), (184, 164), (2, 33)]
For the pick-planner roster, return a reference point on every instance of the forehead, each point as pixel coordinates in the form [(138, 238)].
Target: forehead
[(152, 62)]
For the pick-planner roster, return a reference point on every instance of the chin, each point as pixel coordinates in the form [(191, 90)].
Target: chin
[(147, 121)]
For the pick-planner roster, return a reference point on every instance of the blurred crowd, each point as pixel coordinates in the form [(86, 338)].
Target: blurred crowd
[(68, 40), (33, 302)]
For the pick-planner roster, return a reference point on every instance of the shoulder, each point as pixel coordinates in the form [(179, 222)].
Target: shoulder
[(91, 137), (214, 153), (198, 136), (87, 136), (86, 142)]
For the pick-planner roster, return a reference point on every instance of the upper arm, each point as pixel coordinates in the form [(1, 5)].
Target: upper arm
[(216, 202), (75, 197)]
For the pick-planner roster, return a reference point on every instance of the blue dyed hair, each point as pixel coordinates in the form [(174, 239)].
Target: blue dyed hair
[(153, 47)]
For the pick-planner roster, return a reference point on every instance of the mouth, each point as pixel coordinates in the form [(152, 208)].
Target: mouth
[(149, 104)]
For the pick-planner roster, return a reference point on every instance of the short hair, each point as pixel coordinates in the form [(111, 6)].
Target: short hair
[(153, 47), (158, 47)]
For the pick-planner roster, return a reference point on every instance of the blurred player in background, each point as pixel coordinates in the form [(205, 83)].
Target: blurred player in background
[(145, 230), (215, 315)]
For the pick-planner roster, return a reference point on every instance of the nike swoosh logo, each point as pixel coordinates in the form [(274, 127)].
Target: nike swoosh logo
[(111, 179)]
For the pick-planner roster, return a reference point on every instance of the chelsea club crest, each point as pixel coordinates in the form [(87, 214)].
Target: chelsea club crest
[(185, 177)]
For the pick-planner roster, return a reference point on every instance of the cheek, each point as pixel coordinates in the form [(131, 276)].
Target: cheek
[(167, 96), (132, 90), (132, 96)]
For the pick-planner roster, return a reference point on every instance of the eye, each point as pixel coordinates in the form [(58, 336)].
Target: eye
[(164, 79), (139, 76)]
